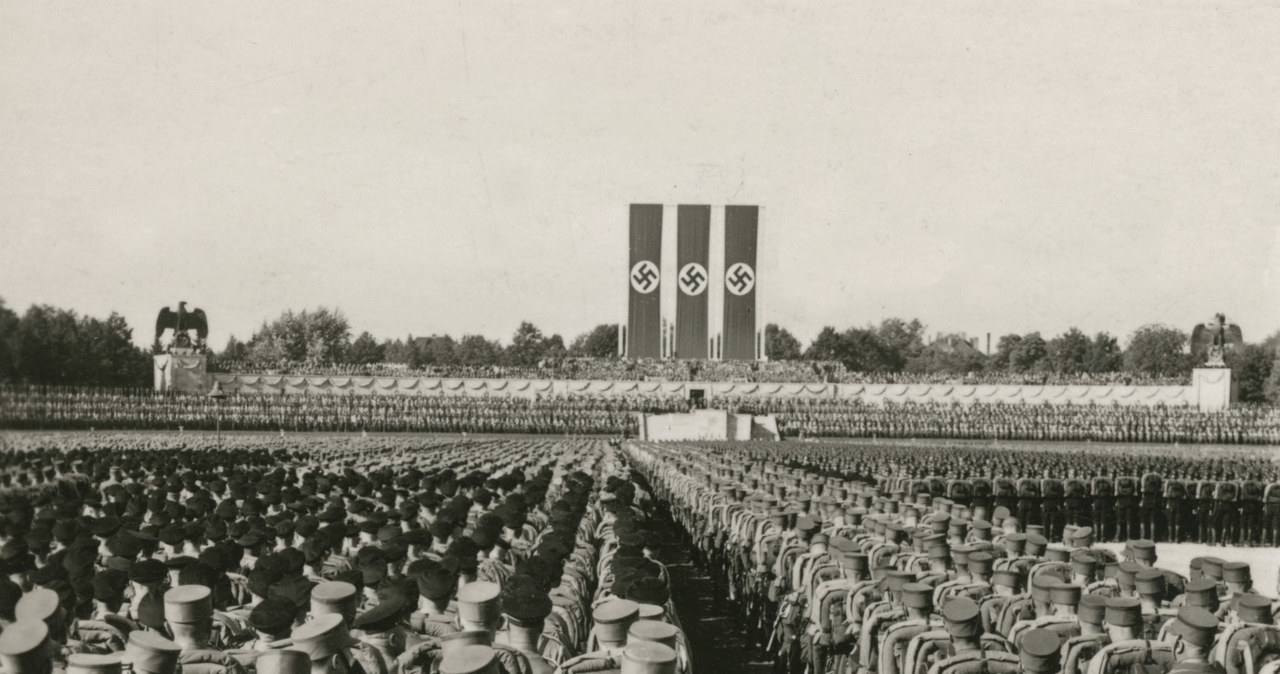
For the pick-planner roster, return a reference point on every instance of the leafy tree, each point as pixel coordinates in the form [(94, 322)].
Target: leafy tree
[(598, 342), (862, 351), (780, 344), (1103, 354), (950, 354), (319, 336), (1005, 347), (1066, 353), (901, 340), (8, 333), (1157, 350), (553, 348), (527, 346), (1029, 353), (365, 350), (826, 346), (437, 350), (108, 356), (476, 351), (1251, 367), (235, 350)]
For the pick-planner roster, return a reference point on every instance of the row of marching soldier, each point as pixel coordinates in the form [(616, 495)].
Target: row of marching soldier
[(326, 555), (841, 577)]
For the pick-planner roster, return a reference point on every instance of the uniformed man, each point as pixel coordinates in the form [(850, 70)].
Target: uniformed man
[(188, 612)]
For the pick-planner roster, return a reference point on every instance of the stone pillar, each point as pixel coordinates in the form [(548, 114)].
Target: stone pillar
[(1215, 389), (181, 372)]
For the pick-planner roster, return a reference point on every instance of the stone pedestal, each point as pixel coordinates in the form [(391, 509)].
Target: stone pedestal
[(181, 372), (1214, 388)]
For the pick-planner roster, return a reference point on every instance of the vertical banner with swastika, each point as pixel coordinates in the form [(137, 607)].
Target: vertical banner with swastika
[(644, 305), (741, 225), (693, 247)]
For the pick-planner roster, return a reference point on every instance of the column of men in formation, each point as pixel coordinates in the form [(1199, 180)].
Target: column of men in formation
[(843, 577), (52, 408), (505, 557), (1161, 494)]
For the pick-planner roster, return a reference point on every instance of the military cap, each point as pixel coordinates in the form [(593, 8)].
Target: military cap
[(480, 602), (381, 617), (273, 615), (188, 604), (150, 653), (1143, 549), (896, 580), (38, 604), (1042, 585), (1201, 592), (1065, 594), (284, 661), (1057, 554), (1082, 537), (648, 590), (333, 596), (1083, 563), (322, 637), (980, 562), (1124, 612), (109, 585), (917, 595), (1195, 625), (436, 583), (1253, 608), (1039, 651), (94, 663), (940, 551), (472, 659), (1236, 572), (1009, 578), (1015, 542), (1212, 567), (1092, 609), (805, 523), (650, 612), (612, 619), (1149, 582), (961, 618), (652, 630), (1036, 544), (105, 527), (23, 646), (646, 657), (1126, 574), (147, 571)]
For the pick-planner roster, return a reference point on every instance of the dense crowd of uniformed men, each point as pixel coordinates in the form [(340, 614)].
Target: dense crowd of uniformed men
[(64, 408), (844, 566), (164, 554)]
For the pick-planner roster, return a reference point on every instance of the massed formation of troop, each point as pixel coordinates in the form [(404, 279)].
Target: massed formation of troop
[(157, 555), (52, 408), (1158, 493), (841, 576)]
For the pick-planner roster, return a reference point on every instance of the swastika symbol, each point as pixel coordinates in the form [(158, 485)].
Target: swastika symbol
[(693, 278), (740, 279), (644, 277)]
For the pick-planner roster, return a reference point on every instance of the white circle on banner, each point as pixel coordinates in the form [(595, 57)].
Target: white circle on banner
[(693, 278), (740, 278), (644, 277)]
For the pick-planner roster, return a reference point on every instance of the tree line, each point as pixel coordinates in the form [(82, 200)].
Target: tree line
[(48, 345)]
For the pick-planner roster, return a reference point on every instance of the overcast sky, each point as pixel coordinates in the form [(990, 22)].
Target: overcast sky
[(458, 167)]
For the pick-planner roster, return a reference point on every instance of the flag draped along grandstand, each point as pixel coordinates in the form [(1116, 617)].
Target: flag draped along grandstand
[(741, 224), (693, 243), (644, 314)]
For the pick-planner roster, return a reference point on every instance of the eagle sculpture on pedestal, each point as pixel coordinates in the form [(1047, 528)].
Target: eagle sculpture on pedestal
[(182, 322), (1210, 340)]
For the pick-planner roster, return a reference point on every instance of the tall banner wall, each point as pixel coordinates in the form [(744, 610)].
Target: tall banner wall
[(741, 226), (644, 275), (693, 247)]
